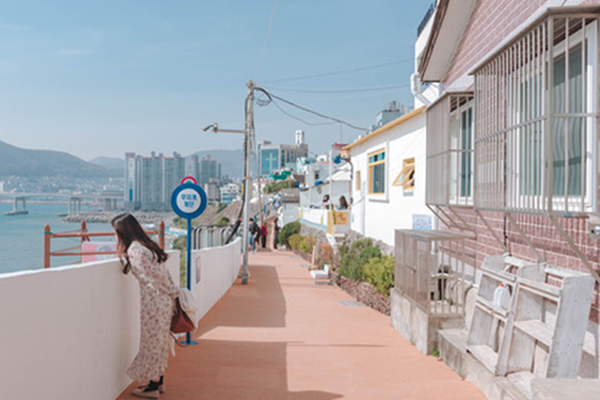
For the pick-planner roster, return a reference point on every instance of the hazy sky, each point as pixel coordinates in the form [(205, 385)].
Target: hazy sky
[(105, 77)]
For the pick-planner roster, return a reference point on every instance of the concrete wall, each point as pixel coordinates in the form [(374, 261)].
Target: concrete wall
[(378, 216), (71, 332), (215, 269)]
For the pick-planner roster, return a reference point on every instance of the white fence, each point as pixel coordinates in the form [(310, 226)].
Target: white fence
[(71, 332), (214, 270)]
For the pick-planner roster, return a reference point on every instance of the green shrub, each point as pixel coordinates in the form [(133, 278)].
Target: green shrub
[(276, 186), (353, 258), (287, 231), (295, 241), (181, 244), (223, 221), (307, 245), (222, 206), (379, 272), (180, 223)]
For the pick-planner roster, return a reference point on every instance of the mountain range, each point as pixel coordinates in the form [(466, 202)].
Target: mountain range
[(17, 161)]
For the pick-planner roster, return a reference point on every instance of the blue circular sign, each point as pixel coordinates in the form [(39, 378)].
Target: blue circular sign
[(188, 200)]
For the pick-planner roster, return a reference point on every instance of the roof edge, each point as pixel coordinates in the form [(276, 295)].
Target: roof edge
[(542, 14), (386, 127)]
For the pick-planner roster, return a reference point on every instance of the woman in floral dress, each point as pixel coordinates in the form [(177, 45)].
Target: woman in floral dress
[(146, 260)]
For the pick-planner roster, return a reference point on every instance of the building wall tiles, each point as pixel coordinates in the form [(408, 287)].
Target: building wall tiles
[(491, 21), (544, 236)]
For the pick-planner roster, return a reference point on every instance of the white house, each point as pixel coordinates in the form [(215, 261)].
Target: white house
[(388, 189)]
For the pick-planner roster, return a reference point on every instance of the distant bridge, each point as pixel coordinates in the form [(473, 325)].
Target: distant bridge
[(108, 200)]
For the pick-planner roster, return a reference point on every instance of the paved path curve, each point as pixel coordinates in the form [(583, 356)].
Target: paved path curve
[(282, 337)]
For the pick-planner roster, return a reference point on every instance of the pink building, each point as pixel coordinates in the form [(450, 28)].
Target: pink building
[(512, 168)]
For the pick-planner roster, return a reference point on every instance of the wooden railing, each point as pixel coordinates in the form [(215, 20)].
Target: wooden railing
[(85, 236)]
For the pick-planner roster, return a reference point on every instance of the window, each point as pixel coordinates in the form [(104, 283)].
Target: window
[(450, 159), (406, 177), (461, 145), (357, 178), (377, 172), (316, 175), (536, 133)]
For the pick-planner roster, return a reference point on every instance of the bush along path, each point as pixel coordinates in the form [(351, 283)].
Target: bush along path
[(360, 269)]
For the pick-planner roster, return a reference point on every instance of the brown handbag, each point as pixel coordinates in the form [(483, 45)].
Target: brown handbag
[(180, 323)]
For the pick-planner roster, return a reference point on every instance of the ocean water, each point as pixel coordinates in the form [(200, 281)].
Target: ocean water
[(22, 237)]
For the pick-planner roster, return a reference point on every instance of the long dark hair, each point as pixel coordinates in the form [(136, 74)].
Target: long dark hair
[(128, 230)]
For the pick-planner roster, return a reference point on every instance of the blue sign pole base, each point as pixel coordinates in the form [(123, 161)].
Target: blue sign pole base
[(186, 343)]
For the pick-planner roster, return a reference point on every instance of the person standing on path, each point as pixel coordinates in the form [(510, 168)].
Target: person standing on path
[(254, 234), (146, 260), (263, 235), (276, 230)]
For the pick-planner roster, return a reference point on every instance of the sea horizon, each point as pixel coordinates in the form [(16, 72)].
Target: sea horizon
[(22, 236)]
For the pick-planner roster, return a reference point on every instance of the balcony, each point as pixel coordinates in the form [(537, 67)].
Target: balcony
[(335, 223)]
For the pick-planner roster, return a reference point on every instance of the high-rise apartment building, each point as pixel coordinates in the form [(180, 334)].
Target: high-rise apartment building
[(149, 181), (210, 169), (192, 167)]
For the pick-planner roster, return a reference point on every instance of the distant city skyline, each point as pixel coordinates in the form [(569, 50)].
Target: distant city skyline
[(102, 79)]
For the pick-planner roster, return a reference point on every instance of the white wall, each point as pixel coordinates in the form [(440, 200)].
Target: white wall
[(216, 268), (71, 332), (378, 216)]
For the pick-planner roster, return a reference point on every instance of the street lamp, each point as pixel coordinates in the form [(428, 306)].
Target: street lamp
[(247, 183), (249, 134)]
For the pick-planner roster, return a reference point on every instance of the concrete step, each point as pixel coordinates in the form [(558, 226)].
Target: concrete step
[(565, 389), (452, 343)]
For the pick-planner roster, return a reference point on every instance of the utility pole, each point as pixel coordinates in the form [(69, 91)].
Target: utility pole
[(247, 178), (249, 135)]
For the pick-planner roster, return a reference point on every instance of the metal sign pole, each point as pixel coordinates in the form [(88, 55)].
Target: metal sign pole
[(188, 201), (188, 340)]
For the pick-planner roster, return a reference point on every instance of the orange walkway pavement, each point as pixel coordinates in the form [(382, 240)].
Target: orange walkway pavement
[(282, 337)]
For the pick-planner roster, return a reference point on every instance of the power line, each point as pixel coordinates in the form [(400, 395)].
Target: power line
[(339, 72), (272, 96), (264, 49), (355, 90), (298, 118)]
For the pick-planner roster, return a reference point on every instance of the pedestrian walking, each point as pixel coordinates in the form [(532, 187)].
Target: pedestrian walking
[(263, 235), (276, 230), (146, 260), (254, 234)]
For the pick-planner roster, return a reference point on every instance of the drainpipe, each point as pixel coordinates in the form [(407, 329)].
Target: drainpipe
[(416, 87)]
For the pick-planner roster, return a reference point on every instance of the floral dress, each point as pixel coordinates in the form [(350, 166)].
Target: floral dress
[(157, 293)]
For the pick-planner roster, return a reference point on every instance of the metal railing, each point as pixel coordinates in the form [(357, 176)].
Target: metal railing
[(85, 236), (209, 236), (537, 110), (430, 270)]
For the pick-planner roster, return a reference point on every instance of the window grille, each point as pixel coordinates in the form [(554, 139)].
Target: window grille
[(536, 119), (450, 151)]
